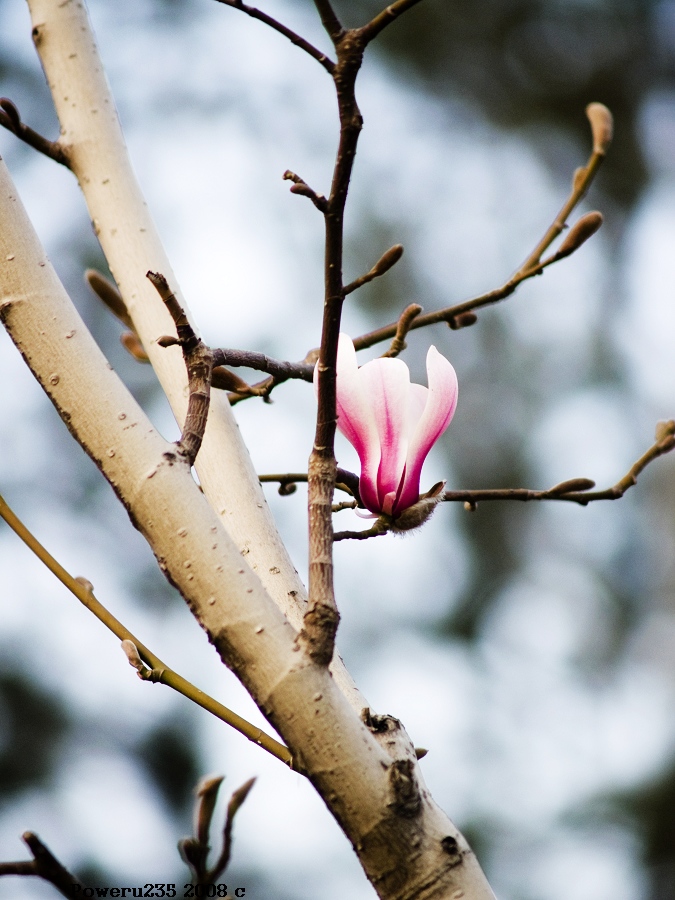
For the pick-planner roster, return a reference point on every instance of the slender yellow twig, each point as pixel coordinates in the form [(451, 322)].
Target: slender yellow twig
[(161, 672)]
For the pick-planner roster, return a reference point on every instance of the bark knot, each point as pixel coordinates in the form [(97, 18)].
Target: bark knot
[(319, 628), (407, 800), (451, 847)]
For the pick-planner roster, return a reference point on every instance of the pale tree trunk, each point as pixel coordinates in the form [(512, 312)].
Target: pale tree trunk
[(250, 605)]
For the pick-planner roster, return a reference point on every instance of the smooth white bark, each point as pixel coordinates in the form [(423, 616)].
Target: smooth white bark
[(366, 773), (371, 786), (91, 132)]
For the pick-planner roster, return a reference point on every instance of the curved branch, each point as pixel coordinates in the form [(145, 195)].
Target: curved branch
[(460, 315), (576, 490), (294, 38), (11, 120), (280, 369)]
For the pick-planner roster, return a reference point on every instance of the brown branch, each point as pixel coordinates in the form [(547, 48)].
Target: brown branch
[(260, 389), (281, 369), (317, 636), (11, 120), (386, 17), (379, 528), (329, 20), (461, 314), (199, 363), (344, 480), (46, 866), (294, 38), (301, 187), (404, 324), (576, 490), (344, 504)]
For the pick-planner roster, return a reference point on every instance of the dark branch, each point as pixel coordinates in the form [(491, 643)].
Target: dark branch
[(329, 20), (11, 120), (386, 17), (46, 866), (199, 363), (379, 528), (345, 481), (294, 38), (321, 619), (280, 369), (301, 187), (577, 490)]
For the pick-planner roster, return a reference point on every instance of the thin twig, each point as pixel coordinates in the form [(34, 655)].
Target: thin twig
[(301, 187), (281, 369), (199, 363), (386, 17), (344, 480), (236, 801), (329, 20), (378, 529), (404, 324), (344, 504), (576, 490), (461, 314), (384, 263), (294, 38), (11, 120), (46, 866), (84, 593), (195, 850)]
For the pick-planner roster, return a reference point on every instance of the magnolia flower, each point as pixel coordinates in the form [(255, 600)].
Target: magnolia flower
[(392, 424)]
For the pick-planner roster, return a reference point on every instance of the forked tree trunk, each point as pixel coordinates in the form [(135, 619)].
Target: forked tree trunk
[(364, 768)]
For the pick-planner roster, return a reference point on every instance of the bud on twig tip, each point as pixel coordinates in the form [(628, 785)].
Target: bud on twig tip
[(664, 428), (579, 233), (602, 127), (388, 259), (11, 111)]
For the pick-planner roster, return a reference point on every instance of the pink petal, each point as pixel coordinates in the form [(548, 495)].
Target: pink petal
[(356, 420), (386, 384), (438, 411)]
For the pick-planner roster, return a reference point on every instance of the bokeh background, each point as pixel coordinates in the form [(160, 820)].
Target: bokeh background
[(530, 648)]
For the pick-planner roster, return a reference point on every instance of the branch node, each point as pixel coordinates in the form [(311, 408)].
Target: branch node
[(11, 120), (317, 636), (301, 187), (199, 364)]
